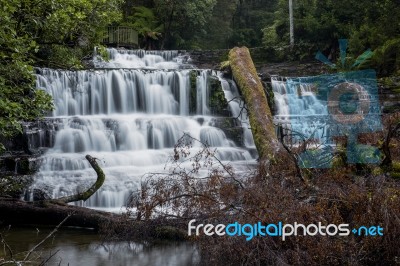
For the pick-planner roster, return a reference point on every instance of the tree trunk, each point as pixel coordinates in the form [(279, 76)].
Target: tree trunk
[(17, 212), (245, 75)]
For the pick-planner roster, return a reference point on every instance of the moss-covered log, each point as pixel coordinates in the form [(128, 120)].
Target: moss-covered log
[(245, 75), (88, 193)]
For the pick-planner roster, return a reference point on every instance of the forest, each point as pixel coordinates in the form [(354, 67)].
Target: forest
[(47, 43)]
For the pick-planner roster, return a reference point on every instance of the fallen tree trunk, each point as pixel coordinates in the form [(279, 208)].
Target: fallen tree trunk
[(18, 212), (262, 127)]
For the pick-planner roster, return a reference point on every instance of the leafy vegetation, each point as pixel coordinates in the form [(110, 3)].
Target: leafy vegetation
[(43, 32), (214, 24)]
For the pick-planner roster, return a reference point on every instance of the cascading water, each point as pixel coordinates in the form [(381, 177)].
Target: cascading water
[(299, 109), (130, 119), (143, 59), (324, 107)]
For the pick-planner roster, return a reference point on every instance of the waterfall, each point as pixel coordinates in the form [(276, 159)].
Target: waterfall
[(320, 108), (299, 109), (129, 114), (238, 109), (121, 58)]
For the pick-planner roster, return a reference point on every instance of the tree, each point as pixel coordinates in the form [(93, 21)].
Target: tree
[(182, 20), (146, 24), (365, 24), (18, 98), (250, 18), (261, 122), (26, 26), (219, 27)]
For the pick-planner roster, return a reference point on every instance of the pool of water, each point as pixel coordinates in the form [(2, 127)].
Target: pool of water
[(74, 246)]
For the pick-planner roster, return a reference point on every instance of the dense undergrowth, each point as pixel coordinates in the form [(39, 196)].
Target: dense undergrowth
[(358, 195)]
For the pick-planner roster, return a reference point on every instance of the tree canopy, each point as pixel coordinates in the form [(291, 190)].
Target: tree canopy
[(213, 24)]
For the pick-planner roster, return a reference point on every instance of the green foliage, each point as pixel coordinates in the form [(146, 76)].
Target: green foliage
[(79, 21), (183, 20), (366, 24), (219, 27), (54, 25), (270, 37), (386, 58), (102, 51), (146, 24), (214, 24), (249, 19), (61, 56), (13, 186)]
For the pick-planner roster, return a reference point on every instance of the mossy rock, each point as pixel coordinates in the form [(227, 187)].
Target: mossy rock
[(217, 101), (22, 165), (14, 185), (235, 134), (395, 175), (376, 171), (193, 91), (270, 96)]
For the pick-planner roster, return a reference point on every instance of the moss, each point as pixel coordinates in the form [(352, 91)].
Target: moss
[(270, 96), (224, 56), (23, 167), (14, 186), (396, 166), (245, 75), (395, 170), (217, 101), (395, 175), (377, 171), (193, 91), (225, 65)]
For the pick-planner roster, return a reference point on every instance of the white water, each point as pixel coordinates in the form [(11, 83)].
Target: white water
[(130, 119), (143, 59), (298, 109)]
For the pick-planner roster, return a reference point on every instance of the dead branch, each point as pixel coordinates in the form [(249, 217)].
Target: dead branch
[(88, 193), (47, 237)]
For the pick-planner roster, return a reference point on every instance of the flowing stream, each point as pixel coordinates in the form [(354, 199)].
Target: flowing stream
[(129, 113)]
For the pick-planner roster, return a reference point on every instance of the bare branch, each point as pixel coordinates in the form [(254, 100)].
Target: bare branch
[(47, 237)]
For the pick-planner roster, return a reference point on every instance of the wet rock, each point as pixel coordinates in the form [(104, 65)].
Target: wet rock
[(14, 185)]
